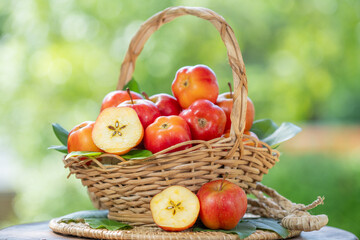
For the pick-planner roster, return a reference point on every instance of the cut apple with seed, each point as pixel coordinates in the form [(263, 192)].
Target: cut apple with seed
[(117, 130), (175, 209)]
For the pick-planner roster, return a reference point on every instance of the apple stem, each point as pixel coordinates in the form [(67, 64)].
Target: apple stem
[(231, 94), (131, 99), (145, 95), (222, 182)]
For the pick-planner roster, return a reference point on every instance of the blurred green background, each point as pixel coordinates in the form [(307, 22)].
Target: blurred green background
[(59, 58)]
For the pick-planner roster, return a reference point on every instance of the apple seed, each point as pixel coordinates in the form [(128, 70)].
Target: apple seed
[(174, 207), (116, 128)]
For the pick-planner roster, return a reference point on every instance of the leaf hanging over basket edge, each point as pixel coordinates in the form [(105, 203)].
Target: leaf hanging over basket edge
[(272, 134), (137, 154), (83, 153), (59, 148), (61, 133)]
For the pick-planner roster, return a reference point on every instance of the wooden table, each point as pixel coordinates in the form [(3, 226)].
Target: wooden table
[(41, 231)]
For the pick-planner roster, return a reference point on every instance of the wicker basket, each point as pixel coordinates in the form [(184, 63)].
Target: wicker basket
[(126, 187)]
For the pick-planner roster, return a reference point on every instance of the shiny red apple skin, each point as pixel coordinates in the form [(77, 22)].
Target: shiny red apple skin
[(114, 98), (225, 101), (166, 104), (145, 109), (222, 204), (250, 114), (80, 138), (194, 83), (165, 132), (206, 120)]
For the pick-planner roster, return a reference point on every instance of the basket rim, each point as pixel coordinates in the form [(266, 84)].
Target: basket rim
[(255, 144)]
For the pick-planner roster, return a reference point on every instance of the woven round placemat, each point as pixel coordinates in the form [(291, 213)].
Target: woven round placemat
[(83, 230)]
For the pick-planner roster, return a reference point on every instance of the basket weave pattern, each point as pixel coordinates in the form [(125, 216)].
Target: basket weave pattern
[(126, 187)]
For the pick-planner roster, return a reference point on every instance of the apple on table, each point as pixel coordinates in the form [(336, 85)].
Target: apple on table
[(175, 209), (222, 204)]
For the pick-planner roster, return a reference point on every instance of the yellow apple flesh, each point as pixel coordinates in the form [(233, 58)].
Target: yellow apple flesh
[(175, 209)]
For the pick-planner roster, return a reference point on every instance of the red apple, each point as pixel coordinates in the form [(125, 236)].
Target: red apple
[(165, 132), (206, 120), (193, 83), (225, 101), (114, 98), (175, 209), (248, 141), (80, 139), (166, 104), (222, 204), (146, 110), (250, 114)]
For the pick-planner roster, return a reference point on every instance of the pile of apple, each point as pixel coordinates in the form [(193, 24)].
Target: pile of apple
[(195, 112), (127, 120), (220, 204)]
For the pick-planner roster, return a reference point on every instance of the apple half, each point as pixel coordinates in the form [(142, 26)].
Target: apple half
[(175, 209), (117, 130)]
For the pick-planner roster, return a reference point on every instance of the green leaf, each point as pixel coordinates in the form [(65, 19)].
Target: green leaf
[(82, 153), (268, 132), (263, 128), (61, 148), (269, 224), (137, 154), (242, 229), (133, 86), (284, 132), (61, 133), (106, 223), (81, 215)]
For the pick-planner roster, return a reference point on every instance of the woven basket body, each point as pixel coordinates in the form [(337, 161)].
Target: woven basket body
[(126, 187)]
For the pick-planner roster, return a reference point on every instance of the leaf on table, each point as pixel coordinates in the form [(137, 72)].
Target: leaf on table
[(61, 133), (106, 223), (60, 148), (133, 86), (269, 224), (242, 229), (81, 215), (270, 133), (137, 154), (83, 153)]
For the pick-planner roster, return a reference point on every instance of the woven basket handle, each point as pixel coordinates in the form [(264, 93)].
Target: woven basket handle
[(227, 36)]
